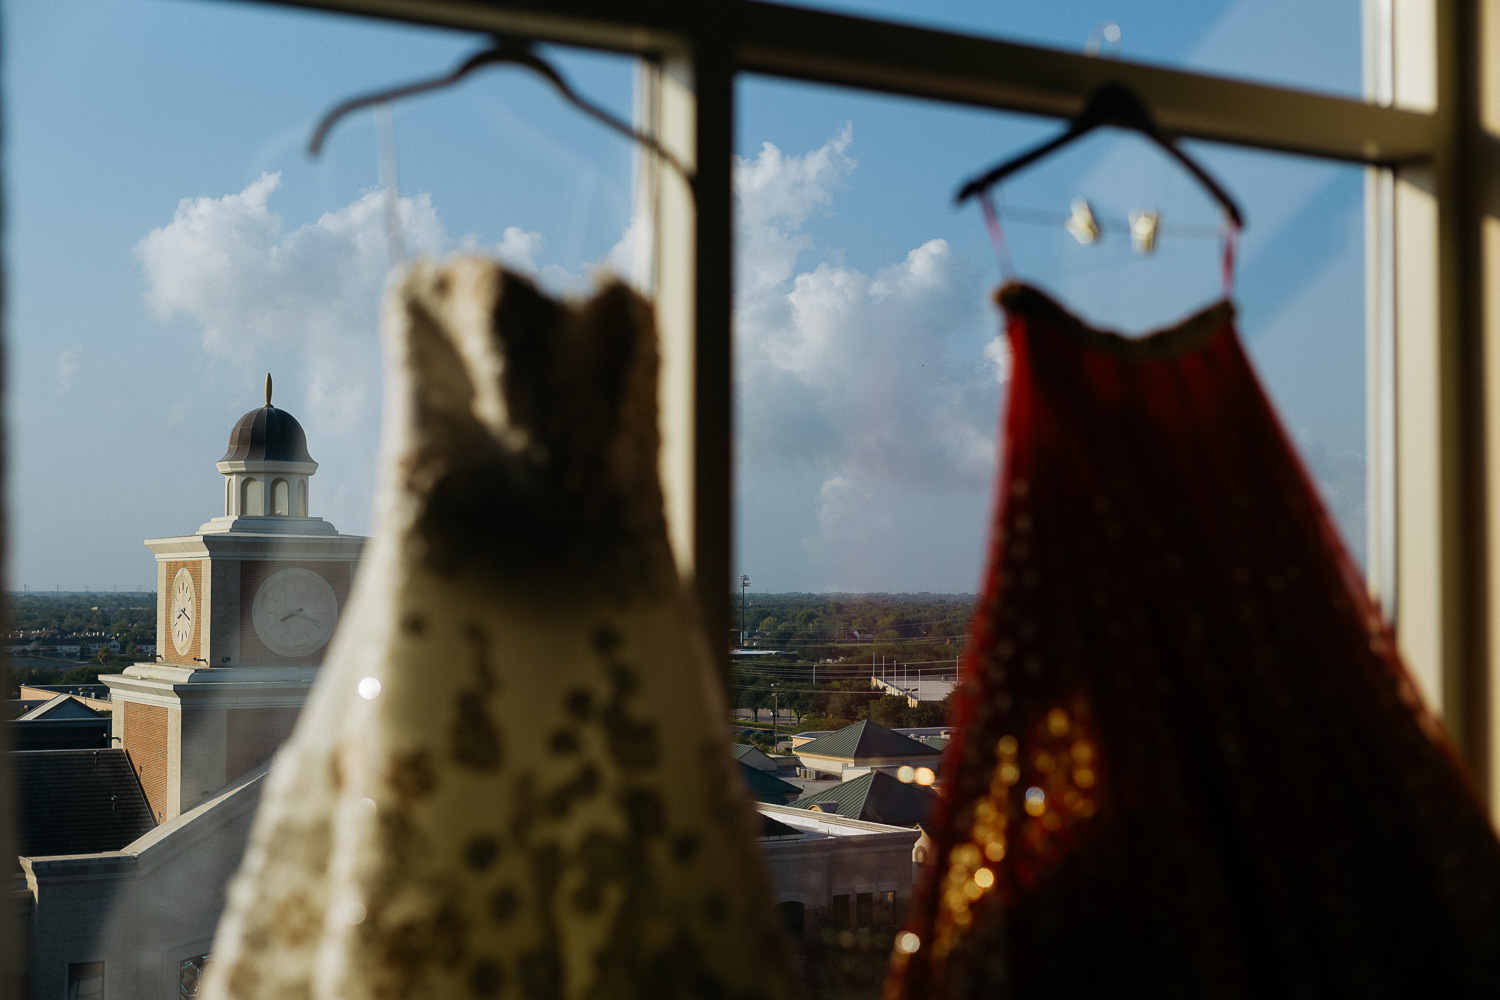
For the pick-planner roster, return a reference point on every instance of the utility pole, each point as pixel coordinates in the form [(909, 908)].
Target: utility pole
[(744, 583), (775, 713)]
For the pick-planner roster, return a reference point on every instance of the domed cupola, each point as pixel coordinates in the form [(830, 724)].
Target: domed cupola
[(267, 465)]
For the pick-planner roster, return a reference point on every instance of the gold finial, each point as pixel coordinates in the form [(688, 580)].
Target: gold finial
[(268, 388)]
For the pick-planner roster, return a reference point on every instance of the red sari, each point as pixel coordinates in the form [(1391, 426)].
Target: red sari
[(1190, 762)]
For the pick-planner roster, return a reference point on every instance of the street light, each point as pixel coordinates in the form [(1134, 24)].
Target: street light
[(744, 583)]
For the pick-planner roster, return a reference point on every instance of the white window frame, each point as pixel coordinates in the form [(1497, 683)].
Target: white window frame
[(1428, 130)]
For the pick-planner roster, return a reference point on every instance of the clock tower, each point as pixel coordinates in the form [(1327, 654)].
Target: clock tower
[(245, 609)]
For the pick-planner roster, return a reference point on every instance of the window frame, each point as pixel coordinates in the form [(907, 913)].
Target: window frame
[(1427, 130)]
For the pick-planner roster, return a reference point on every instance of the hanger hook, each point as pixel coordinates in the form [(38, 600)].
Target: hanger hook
[(1115, 104), (507, 51)]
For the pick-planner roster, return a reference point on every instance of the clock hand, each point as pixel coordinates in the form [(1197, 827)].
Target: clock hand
[(291, 613), (183, 613)]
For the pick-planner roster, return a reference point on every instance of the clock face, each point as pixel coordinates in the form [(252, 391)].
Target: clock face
[(183, 612), (295, 612)]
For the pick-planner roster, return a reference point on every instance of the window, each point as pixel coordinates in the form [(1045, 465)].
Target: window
[(839, 912), (85, 981), (793, 915), (1431, 546), (251, 494)]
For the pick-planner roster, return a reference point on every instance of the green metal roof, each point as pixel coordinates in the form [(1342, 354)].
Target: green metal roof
[(866, 739), (877, 797), (764, 787)]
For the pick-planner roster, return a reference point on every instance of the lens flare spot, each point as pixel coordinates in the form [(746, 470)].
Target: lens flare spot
[(1036, 801), (906, 773), (965, 855), (908, 943), (995, 850), (1007, 746), (1058, 723), (925, 776), (369, 688), (1084, 777), (984, 878)]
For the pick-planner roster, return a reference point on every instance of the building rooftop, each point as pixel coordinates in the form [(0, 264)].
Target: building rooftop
[(765, 787), (267, 434), (824, 826), (866, 739), (77, 802), (63, 706), (877, 797), (775, 829), (98, 691)]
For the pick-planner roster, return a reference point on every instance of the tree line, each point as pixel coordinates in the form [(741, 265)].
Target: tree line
[(832, 704)]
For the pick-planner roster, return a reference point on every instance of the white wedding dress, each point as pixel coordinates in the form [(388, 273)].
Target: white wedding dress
[(512, 778)]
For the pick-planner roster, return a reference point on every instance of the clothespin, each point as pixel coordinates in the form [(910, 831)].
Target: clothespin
[(1143, 231), (1081, 223)]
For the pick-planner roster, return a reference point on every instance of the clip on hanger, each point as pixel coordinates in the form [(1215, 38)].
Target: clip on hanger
[(1111, 104), (506, 51)]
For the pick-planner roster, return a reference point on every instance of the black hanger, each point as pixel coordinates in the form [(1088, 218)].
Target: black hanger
[(1111, 104), (506, 51)]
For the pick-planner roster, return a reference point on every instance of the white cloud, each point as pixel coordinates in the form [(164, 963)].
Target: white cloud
[(518, 248), (884, 383), (230, 264), (774, 195)]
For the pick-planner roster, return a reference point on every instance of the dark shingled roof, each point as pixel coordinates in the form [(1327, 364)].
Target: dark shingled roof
[(878, 798), (267, 434), (77, 802), (866, 739), (740, 749), (765, 787)]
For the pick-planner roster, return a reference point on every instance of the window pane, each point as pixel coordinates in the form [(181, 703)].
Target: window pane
[(1313, 45), (869, 373), (212, 249), (169, 242), (870, 376)]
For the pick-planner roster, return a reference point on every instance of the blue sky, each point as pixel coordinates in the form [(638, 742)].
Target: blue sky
[(169, 241)]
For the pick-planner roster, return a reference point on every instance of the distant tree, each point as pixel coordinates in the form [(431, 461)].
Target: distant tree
[(799, 703), (848, 706), (80, 675), (930, 713), (889, 711), (755, 697)]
